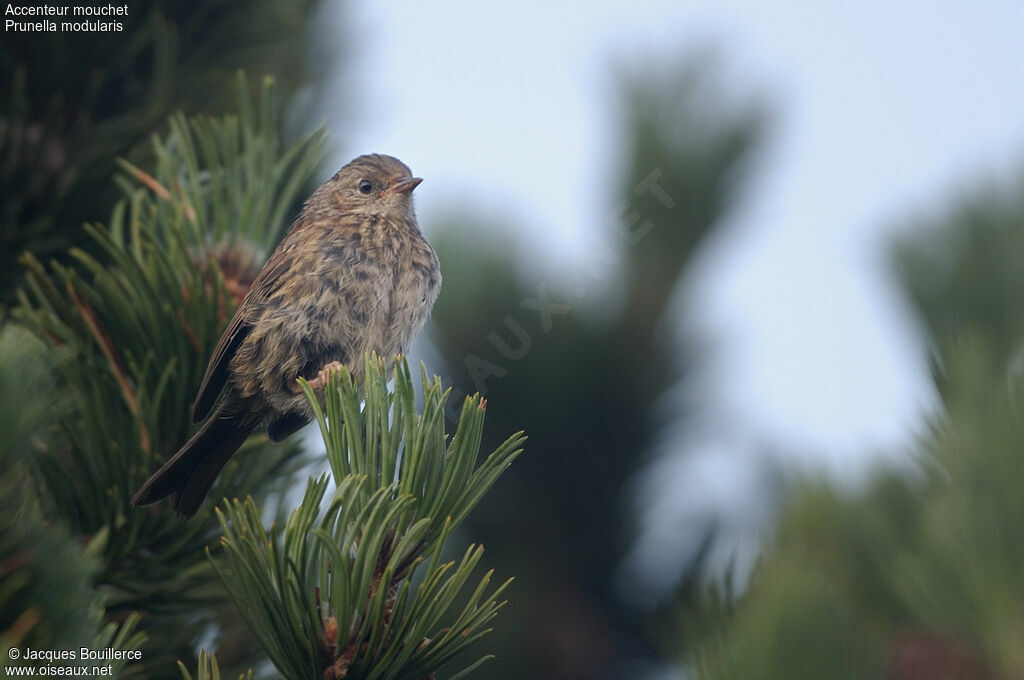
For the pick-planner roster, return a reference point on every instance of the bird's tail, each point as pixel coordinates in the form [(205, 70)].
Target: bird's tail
[(189, 474)]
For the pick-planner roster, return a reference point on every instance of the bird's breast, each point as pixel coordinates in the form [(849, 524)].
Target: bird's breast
[(383, 283), (358, 292)]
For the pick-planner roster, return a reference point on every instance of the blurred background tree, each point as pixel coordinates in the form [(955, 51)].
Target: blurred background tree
[(917, 574), (583, 367)]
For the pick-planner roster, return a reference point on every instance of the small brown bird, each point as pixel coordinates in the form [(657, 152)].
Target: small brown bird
[(352, 275)]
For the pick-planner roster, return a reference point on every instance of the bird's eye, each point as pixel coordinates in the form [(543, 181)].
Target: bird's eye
[(365, 186)]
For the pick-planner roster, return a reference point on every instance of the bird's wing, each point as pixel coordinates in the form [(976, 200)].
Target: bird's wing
[(267, 281)]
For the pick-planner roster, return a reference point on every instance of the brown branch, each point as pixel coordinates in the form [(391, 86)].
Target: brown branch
[(107, 348), (190, 212), (147, 179)]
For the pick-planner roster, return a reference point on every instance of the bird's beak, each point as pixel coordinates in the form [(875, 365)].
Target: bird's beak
[(403, 186)]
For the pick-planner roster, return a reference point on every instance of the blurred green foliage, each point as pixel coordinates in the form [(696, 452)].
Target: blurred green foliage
[(918, 574), (46, 600), (962, 273), (71, 103), (47, 595)]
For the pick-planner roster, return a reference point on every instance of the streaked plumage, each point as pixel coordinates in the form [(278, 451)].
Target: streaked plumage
[(352, 275)]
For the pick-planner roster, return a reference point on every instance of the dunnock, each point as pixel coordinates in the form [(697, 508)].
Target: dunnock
[(352, 275)]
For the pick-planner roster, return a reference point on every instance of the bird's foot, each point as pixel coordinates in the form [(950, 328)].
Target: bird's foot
[(324, 376)]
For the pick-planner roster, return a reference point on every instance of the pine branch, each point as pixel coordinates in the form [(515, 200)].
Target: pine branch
[(134, 332), (335, 596), (208, 669)]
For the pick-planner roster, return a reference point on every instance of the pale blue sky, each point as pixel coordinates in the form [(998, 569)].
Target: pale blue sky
[(884, 110)]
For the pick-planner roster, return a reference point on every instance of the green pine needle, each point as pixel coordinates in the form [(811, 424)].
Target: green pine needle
[(359, 589)]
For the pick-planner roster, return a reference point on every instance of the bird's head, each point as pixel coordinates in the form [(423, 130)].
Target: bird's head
[(374, 184)]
